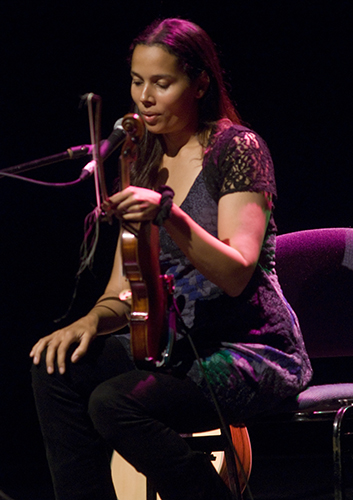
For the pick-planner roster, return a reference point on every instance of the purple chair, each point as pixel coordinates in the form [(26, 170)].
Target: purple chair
[(315, 270)]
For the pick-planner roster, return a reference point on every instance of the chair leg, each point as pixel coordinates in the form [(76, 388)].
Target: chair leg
[(339, 490)]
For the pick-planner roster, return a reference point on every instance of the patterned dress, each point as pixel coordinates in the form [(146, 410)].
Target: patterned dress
[(251, 346)]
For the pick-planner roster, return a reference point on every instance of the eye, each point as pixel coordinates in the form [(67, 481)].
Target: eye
[(136, 82), (162, 84)]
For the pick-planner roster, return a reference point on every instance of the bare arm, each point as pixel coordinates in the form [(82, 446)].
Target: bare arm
[(111, 309), (230, 260)]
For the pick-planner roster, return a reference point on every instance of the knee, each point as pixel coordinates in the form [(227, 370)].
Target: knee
[(39, 374), (111, 408), (96, 403), (102, 409)]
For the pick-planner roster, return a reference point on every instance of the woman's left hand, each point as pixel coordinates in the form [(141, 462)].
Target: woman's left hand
[(134, 204)]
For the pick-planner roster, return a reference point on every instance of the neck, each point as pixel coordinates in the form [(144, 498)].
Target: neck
[(172, 144)]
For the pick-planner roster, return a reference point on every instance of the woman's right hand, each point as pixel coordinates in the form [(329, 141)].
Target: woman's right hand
[(82, 331)]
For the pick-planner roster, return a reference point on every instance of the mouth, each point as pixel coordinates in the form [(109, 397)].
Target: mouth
[(150, 118)]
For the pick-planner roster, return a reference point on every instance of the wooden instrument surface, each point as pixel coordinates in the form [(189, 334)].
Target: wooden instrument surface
[(149, 292), (140, 255)]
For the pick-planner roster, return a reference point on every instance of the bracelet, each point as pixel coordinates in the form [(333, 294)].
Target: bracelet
[(165, 205)]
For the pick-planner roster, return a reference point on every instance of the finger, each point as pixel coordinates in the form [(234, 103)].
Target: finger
[(61, 358), (52, 347), (33, 353), (143, 212), (113, 209), (113, 201), (108, 205), (133, 217), (37, 350), (63, 347), (81, 349)]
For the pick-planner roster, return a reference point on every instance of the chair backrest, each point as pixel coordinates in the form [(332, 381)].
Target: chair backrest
[(315, 270)]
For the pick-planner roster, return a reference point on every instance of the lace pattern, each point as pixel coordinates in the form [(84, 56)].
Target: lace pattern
[(239, 160)]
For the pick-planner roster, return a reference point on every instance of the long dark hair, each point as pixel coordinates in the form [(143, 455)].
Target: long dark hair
[(195, 53)]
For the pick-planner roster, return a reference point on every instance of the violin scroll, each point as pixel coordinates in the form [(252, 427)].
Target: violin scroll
[(134, 128), (132, 123)]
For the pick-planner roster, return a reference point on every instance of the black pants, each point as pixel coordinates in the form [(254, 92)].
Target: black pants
[(104, 403)]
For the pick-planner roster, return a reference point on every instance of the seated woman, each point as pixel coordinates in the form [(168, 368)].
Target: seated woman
[(217, 237)]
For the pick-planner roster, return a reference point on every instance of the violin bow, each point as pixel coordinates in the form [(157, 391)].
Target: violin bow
[(95, 133), (91, 224)]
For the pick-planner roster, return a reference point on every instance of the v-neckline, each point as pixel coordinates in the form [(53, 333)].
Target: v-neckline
[(191, 188)]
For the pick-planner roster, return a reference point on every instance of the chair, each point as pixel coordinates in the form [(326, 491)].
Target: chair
[(315, 270)]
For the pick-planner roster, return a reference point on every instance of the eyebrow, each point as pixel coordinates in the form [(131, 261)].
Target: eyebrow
[(165, 75)]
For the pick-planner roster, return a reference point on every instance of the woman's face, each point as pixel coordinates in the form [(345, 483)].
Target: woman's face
[(165, 97)]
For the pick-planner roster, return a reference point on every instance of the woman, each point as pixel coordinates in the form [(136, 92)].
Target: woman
[(217, 239)]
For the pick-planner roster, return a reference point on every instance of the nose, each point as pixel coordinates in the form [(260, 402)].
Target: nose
[(147, 96)]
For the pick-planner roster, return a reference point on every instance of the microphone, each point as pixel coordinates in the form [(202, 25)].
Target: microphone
[(106, 148)]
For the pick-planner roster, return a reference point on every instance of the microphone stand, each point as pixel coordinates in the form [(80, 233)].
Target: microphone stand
[(70, 154)]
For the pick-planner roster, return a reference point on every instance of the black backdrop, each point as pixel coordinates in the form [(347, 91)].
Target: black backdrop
[(287, 64)]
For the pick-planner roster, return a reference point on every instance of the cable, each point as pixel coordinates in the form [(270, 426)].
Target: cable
[(224, 426), (87, 252), (41, 183)]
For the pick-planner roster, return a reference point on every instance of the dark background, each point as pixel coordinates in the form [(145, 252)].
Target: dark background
[(287, 64)]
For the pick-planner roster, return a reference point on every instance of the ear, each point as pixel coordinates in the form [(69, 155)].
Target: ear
[(203, 83)]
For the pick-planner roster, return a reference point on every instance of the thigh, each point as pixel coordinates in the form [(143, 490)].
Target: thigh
[(176, 402), (106, 357)]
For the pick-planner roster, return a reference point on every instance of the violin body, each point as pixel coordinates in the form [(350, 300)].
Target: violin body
[(150, 291)]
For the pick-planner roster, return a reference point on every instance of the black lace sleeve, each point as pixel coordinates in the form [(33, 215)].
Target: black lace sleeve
[(238, 160)]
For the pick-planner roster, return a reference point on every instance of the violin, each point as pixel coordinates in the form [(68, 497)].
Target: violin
[(151, 292)]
